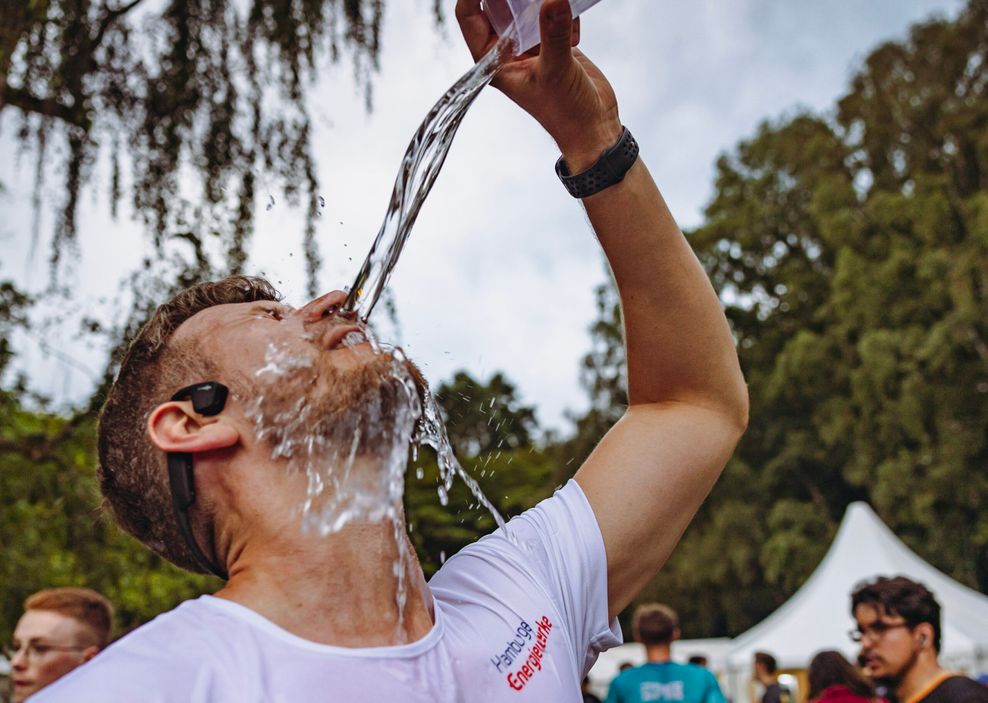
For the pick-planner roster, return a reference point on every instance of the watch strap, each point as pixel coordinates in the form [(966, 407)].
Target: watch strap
[(610, 169)]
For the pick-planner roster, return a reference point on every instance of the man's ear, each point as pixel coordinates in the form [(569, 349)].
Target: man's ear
[(174, 428), (89, 652), (924, 634)]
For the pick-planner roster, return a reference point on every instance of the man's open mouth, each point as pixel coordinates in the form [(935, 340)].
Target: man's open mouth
[(345, 336)]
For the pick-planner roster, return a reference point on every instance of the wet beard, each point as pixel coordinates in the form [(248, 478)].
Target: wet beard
[(347, 431)]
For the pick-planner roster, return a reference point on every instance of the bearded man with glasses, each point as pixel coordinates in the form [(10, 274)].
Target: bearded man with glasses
[(898, 626), (61, 629)]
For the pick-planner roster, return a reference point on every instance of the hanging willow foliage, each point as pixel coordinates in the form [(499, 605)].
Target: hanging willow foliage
[(196, 97)]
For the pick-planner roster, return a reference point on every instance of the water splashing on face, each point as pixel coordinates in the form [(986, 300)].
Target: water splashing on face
[(349, 432)]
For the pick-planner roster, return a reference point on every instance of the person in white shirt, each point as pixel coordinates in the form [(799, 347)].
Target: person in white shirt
[(304, 616)]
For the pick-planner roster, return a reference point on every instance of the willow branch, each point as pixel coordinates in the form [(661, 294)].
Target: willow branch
[(110, 17), (49, 107)]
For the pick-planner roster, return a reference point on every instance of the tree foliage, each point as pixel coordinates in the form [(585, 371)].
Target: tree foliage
[(852, 253), (492, 434), (483, 418), (203, 101), (53, 532)]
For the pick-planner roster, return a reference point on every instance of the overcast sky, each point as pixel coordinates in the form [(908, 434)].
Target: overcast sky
[(500, 270)]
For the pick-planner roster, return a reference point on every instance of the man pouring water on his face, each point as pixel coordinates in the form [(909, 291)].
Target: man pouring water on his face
[(207, 411)]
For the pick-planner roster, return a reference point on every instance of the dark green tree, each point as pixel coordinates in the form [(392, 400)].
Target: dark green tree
[(491, 433), (53, 532), (483, 418), (851, 253)]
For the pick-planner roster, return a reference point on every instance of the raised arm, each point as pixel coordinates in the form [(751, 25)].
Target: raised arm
[(688, 401)]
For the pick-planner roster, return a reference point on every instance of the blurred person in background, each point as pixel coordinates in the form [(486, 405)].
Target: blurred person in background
[(898, 626), (834, 680), (766, 669), (660, 679), (61, 629), (588, 695)]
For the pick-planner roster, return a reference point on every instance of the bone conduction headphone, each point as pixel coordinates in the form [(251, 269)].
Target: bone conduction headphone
[(208, 399)]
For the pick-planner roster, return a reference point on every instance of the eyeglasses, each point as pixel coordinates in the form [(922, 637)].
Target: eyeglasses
[(39, 650), (207, 399), (874, 631)]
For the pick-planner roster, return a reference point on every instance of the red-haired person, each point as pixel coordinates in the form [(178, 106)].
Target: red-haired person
[(61, 628)]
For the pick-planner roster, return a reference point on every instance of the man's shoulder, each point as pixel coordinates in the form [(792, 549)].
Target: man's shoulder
[(185, 630), (958, 689)]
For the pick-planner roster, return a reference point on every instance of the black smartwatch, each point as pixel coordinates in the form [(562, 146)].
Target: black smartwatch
[(610, 169)]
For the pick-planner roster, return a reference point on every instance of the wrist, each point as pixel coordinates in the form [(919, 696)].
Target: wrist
[(581, 153), (609, 169)]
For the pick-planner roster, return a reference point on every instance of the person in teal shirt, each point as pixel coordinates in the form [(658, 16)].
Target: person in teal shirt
[(659, 678)]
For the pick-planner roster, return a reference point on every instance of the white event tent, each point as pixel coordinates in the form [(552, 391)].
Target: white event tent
[(818, 615)]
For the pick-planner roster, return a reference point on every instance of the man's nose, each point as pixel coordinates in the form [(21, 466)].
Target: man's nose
[(19, 660), (325, 306)]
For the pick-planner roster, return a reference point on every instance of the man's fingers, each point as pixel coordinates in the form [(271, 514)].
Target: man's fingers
[(467, 8), (475, 27), (556, 26)]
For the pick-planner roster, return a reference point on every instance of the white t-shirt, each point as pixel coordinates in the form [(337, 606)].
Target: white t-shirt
[(518, 619)]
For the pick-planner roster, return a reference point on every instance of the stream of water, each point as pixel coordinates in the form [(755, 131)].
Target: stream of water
[(329, 441), (419, 168)]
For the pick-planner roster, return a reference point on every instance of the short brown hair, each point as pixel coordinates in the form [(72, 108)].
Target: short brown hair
[(654, 623), (82, 604), (767, 662), (131, 469), (910, 600)]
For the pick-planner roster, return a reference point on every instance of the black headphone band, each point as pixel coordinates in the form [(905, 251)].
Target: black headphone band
[(209, 399)]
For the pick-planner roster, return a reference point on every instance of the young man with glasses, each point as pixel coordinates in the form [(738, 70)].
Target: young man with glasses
[(61, 628), (898, 626), (232, 410)]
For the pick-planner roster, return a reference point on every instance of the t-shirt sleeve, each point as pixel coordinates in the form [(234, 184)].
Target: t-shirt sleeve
[(566, 549), (773, 694), (713, 693)]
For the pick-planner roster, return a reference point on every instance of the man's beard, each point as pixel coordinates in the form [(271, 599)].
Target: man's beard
[(347, 430), (891, 679)]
